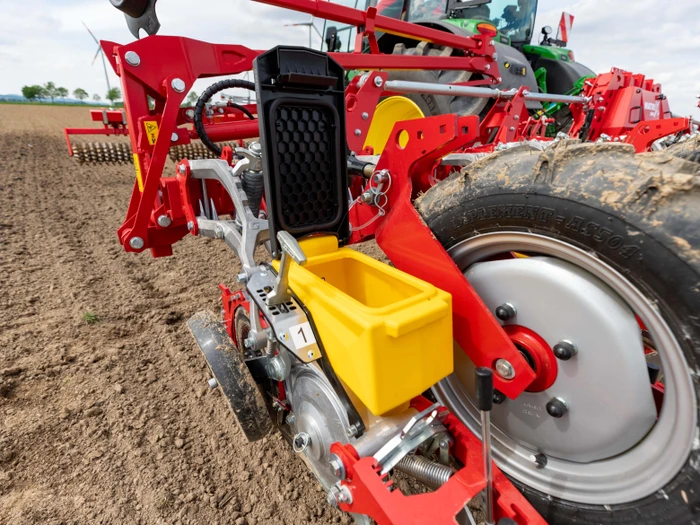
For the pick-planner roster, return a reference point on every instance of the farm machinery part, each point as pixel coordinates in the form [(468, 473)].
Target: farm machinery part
[(183, 145), (537, 286)]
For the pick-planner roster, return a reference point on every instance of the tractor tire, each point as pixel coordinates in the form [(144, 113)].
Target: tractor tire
[(688, 149), (433, 105), (637, 216)]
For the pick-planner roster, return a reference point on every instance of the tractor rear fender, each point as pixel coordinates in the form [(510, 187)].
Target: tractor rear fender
[(515, 70), (561, 75)]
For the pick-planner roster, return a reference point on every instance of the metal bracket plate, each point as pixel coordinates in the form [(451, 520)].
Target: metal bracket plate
[(288, 321)]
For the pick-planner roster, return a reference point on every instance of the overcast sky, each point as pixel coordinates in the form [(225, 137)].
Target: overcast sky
[(42, 40)]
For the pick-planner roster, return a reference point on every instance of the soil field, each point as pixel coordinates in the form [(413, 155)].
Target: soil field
[(112, 421)]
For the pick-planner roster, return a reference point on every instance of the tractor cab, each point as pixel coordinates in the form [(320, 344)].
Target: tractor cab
[(513, 19)]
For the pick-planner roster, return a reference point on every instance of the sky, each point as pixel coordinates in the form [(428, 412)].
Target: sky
[(45, 40)]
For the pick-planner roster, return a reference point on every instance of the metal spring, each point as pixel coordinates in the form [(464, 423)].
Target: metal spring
[(430, 473)]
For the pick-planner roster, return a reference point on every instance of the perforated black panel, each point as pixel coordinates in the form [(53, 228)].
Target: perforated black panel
[(301, 103), (305, 143)]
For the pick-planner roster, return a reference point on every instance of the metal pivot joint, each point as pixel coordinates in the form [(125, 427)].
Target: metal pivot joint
[(290, 249)]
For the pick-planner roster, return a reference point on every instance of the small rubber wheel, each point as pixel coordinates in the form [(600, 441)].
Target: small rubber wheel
[(630, 225)]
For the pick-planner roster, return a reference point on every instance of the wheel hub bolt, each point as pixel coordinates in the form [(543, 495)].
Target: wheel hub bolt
[(557, 407), (506, 311), (565, 350), (498, 397), (505, 369), (540, 460), (301, 442)]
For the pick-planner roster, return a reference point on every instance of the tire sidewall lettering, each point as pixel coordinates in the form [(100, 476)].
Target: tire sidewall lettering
[(551, 218)]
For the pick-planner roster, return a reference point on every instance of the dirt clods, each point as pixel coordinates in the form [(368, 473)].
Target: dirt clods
[(112, 421)]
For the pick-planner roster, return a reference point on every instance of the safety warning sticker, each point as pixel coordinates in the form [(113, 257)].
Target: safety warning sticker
[(151, 131)]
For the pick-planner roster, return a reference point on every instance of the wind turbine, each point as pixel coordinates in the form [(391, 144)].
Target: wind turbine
[(310, 25), (99, 52)]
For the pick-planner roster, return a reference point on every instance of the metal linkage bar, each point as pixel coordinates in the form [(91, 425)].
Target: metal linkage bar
[(405, 86)]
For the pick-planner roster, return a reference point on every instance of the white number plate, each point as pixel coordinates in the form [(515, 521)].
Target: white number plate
[(302, 335)]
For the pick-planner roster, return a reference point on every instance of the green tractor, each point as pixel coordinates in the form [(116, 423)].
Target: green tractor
[(546, 67)]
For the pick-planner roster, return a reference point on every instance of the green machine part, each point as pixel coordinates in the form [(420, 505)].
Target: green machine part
[(553, 107), (551, 52)]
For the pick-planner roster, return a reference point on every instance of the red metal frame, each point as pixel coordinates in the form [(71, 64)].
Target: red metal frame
[(644, 134), (361, 99), (114, 122), (375, 496), (479, 49), (397, 226), (626, 105)]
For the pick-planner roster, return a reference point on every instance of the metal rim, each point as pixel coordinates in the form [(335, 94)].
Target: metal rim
[(632, 475)]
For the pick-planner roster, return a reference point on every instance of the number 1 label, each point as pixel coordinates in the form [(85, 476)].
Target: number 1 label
[(302, 335)]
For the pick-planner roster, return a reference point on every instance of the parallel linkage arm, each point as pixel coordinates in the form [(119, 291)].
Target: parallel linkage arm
[(479, 51)]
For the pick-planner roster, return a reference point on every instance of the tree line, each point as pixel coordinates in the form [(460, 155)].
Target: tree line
[(51, 91)]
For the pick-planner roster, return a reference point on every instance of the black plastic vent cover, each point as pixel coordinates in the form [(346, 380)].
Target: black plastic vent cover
[(302, 131)]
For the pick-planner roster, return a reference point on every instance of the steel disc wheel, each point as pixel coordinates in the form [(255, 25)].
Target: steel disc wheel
[(611, 264), (638, 471)]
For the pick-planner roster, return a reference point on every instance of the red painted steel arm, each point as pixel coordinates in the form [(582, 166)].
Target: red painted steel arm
[(647, 132), (375, 496), (162, 59), (480, 47)]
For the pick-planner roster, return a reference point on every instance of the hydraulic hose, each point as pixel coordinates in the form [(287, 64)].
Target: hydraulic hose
[(206, 97)]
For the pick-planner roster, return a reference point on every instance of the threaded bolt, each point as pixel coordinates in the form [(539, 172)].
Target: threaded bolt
[(337, 466)]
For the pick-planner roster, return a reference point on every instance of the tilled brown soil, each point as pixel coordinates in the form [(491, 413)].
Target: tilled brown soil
[(112, 422)]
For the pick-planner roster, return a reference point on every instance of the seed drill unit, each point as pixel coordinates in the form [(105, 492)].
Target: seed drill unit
[(533, 344)]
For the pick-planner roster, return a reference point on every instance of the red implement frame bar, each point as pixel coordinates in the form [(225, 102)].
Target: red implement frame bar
[(478, 48), (373, 496), (623, 104), (114, 124)]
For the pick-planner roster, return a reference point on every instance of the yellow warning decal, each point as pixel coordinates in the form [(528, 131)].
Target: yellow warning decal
[(151, 130), (137, 165)]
